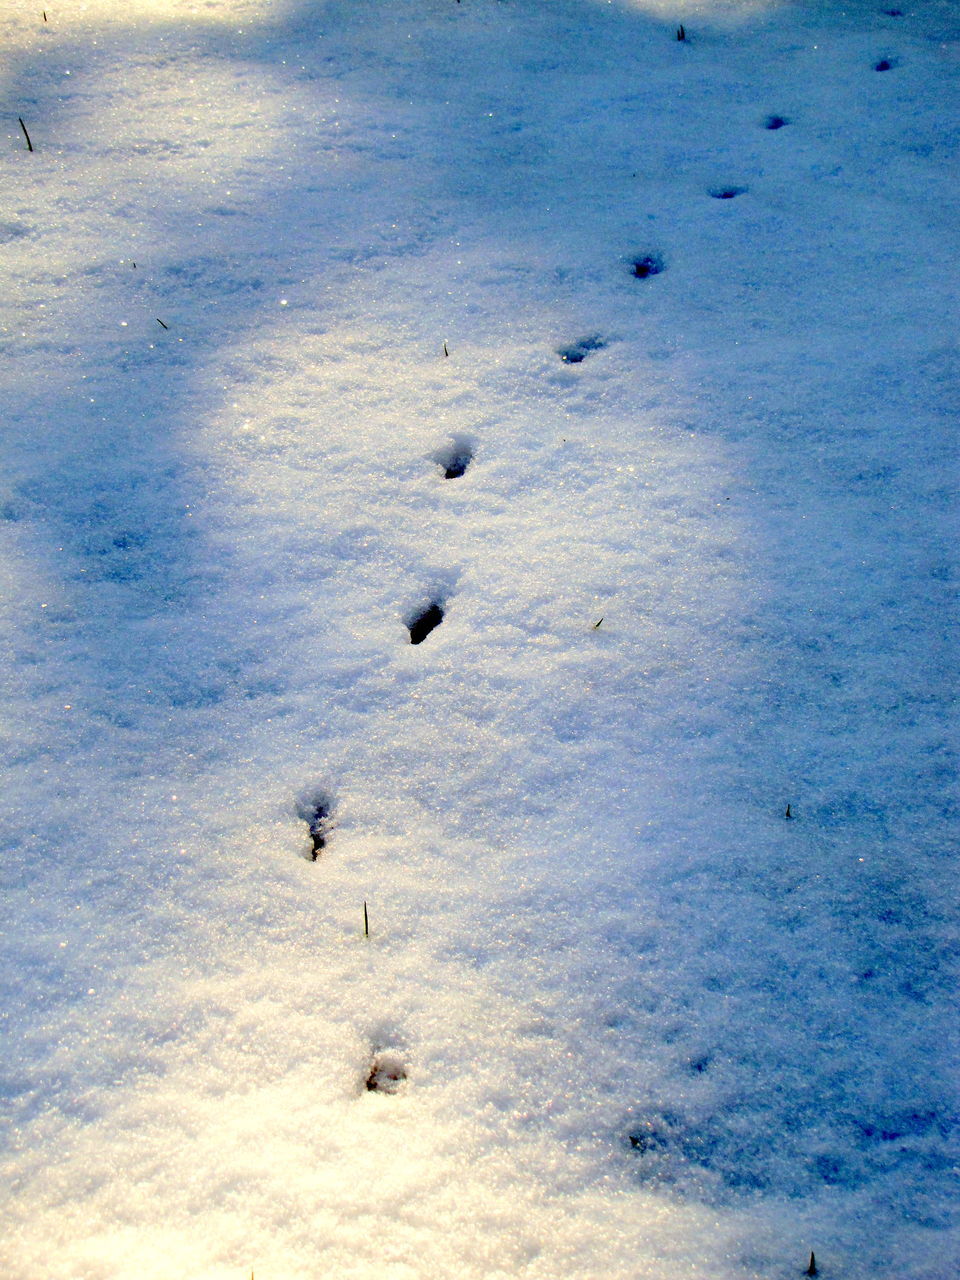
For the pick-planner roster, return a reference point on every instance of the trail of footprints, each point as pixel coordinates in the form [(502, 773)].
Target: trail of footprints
[(385, 1071)]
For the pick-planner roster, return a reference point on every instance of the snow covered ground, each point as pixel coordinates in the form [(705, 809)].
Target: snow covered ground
[(617, 1015)]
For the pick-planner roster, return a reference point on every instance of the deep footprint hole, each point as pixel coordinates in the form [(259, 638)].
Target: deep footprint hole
[(649, 264), (775, 122), (727, 193), (647, 1138), (576, 352), (454, 457), (387, 1073), (316, 810), (425, 621), (885, 64)]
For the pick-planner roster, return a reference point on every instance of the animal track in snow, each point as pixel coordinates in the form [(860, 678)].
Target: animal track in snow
[(316, 811), (885, 64), (421, 624), (775, 122), (647, 1137), (727, 193), (387, 1073), (649, 264), (12, 231), (454, 457), (577, 351)]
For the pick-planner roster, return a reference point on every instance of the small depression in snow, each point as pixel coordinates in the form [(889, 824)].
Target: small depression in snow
[(775, 122), (647, 1137), (675, 1149), (12, 231), (316, 811), (422, 623), (576, 352), (387, 1073), (648, 264), (454, 457), (727, 193)]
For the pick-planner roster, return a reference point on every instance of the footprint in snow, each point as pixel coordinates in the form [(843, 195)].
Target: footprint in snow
[(386, 1074), (647, 1137), (577, 351), (316, 810), (727, 193), (454, 457), (648, 264), (425, 621), (775, 122)]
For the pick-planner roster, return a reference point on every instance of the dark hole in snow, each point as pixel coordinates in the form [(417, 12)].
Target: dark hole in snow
[(830, 1169), (651, 264), (387, 1074), (454, 458), (646, 1138), (775, 122), (726, 193), (911, 1124), (883, 65), (893, 13), (12, 231), (424, 623), (576, 351), (316, 812), (124, 541)]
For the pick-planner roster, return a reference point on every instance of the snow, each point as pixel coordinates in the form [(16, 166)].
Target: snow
[(271, 270)]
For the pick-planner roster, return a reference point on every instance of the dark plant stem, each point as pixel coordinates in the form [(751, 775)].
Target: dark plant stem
[(812, 1269), (159, 321), (25, 134), (366, 922)]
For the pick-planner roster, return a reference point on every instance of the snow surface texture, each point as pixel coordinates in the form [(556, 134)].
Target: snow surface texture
[(319, 317)]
